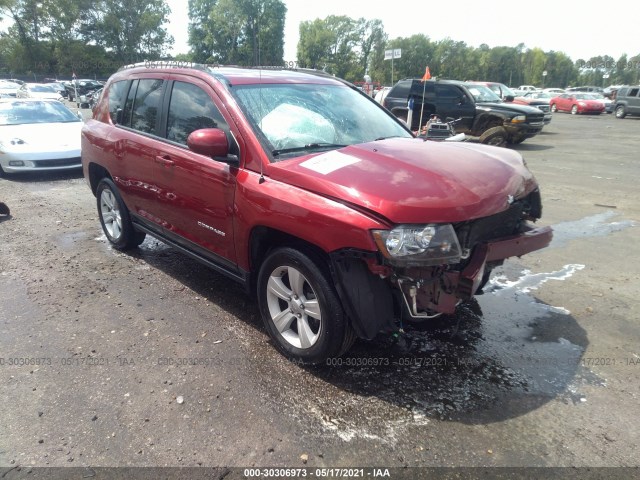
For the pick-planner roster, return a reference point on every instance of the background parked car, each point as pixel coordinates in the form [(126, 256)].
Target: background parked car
[(509, 96), (82, 87), (586, 88), (60, 88), (38, 135), (554, 91), (381, 94), (608, 103), (610, 91), (38, 90), (576, 103), (8, 88), (627, 101), (482, 112)]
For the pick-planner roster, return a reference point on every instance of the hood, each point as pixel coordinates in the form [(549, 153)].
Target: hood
[(414, 181), (43, 137), (510, 107), (532, 101), (45, 95)]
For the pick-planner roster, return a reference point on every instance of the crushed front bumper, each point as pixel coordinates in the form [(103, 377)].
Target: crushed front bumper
[(427, 292)]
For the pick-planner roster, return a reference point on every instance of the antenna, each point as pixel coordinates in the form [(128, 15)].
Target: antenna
[(257, 40)]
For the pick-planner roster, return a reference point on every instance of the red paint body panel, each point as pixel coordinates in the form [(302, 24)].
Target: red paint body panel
[(413, 181)]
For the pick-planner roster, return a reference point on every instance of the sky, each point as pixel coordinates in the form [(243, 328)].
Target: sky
[(578, 31)]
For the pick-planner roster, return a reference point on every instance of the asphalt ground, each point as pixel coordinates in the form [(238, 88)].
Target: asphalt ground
[(149, 359)]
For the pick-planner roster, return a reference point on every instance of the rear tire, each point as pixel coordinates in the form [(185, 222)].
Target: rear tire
[(115, 218), (554, 108), (574, 110), (300, 308), (496, 136)]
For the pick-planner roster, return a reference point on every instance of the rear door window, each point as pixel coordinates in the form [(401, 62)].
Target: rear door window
[(117, 92), (147, 102)]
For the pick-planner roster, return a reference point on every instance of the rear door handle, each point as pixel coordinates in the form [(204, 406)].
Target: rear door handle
[(164, 160)]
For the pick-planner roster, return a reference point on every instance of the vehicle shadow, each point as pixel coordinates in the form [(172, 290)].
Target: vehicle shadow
[(497, 358), (530, 147)]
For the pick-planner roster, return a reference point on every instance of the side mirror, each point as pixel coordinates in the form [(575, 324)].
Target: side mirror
[(509, 98), (462, 100), (213, 143)]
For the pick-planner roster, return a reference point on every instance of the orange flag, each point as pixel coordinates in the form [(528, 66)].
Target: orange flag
[(427, 74)]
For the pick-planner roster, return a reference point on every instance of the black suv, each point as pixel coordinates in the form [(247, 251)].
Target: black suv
[(76, 88), (482, 113), (627, 101)]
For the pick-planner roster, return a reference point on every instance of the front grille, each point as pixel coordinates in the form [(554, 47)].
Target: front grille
[(58, 162), (501, 224), (535, 118)]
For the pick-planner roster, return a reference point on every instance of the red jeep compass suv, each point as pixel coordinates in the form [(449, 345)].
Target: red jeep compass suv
[(309, 193)]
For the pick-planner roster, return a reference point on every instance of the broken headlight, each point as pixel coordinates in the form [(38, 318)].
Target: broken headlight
[(419, 244)]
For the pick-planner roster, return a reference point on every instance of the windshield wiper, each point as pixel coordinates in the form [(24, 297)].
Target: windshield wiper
[(308, 146), (390, 136)]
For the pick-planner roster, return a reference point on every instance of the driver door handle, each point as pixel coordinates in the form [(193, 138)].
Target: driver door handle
[(164, 160)]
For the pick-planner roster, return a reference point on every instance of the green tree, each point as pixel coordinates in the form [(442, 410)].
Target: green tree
[(199, 11), (418, 52), (314, 46), (133, 29), (372, 40), (242, 32), (58, 37), (335, 45)]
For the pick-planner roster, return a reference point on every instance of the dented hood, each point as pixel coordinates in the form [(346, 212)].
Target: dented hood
[(412, 181)]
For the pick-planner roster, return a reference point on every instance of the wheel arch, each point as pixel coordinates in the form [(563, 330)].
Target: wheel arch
[(96, 173), (485, 121), (263, 240)]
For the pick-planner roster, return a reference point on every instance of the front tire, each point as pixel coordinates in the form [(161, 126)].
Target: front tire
[(115, 218), (620, 111), (496, 136), (300, 308)]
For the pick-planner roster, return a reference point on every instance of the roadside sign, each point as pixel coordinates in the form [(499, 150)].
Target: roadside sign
[(391, 54)]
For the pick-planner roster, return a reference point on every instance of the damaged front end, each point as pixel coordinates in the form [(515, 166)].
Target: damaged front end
[(426, 270)]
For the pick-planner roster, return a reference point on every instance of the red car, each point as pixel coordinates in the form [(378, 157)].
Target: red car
[(576, 103), (307, 192)]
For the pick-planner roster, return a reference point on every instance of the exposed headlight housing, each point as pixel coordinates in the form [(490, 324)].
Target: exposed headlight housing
[(419, 245), (519, 119)]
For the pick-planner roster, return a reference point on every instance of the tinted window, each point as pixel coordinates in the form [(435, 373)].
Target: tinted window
[(401, 90), (633, 92), (146, 105), (423, 87), (191, 109), (117, 92), (447, 91), (128, 105)]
